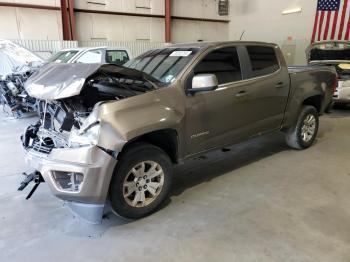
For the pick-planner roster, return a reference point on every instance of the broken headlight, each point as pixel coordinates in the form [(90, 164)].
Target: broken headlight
[(85, 136)]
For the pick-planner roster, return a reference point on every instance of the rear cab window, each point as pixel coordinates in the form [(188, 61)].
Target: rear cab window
[(263, 60), (117, 57)]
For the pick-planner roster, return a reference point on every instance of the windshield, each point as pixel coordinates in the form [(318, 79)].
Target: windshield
[(163, 64), (330, 51), (63, 56)]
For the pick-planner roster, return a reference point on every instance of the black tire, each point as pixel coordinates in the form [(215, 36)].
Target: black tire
[(294, 137), (138, 153)]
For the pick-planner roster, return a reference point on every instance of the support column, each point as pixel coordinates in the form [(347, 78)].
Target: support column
[(65, 20), (168, 21), (71, 19)]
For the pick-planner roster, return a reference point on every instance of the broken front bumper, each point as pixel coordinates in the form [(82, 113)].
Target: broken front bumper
[(80, 176)]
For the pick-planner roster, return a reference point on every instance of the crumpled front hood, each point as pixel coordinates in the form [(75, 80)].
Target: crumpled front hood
[(57, 81)]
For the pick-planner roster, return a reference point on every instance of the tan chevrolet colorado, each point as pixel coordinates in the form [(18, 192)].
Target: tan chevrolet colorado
[(111, 134)]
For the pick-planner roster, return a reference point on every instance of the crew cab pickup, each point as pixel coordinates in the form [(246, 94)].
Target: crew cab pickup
[(337, 54), (110, 134)]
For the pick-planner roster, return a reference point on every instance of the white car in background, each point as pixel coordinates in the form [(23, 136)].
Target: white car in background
[(337, 54), (101, 55)]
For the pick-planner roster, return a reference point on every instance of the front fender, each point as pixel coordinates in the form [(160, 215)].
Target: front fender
[(127, 119)]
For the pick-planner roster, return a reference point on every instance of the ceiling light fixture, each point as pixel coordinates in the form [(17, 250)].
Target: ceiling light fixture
[(292, 11)]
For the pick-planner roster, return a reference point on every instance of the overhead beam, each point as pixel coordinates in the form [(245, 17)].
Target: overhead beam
[(89, 11), (43, 7)]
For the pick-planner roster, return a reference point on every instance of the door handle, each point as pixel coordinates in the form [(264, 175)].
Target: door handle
[(279, 85), (241, 94)]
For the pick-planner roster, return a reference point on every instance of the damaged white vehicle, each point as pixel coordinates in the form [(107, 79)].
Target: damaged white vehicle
[(16, 66)]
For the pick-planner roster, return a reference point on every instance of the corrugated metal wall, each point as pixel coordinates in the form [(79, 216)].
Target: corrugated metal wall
[(45, 48)]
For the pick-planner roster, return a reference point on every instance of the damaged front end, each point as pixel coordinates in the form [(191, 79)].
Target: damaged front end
[(63, 146)]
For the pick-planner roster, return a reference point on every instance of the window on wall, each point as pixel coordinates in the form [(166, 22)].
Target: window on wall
[(223, 7), (263, 60), (224, 63)]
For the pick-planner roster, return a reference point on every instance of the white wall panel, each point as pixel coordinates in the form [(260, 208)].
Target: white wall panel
[(27, 23), (8, 23), (24, 23), (119, 28), (157, 30), (83, 26), (130, 6), (192, 31), (36, 24), (197, 9), (263, 19)]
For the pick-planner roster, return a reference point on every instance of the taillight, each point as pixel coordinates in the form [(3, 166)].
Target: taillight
[(335, 83)]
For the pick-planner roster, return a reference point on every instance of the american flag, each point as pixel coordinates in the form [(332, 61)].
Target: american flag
[(332, 21)]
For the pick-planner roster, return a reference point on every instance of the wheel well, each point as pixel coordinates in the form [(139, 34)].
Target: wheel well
[(165, 139), (315, 101)]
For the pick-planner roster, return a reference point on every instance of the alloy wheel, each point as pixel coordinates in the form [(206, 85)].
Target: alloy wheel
[(308, 128), (143, 184)]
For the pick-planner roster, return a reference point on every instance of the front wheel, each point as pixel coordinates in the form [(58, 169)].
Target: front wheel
[(141, 181), (303, 134)]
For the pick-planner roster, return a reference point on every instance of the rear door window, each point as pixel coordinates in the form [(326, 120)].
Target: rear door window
[(117, 57), (263, 60)]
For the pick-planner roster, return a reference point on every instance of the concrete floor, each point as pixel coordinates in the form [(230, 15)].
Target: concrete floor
[(260, 201)]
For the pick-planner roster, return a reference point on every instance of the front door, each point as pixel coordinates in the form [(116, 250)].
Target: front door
[(214, 118)]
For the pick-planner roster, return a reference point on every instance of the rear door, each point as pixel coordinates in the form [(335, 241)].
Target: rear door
[(267, 84)]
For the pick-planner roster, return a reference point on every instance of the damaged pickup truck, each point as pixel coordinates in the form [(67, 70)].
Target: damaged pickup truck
[(109, 135)]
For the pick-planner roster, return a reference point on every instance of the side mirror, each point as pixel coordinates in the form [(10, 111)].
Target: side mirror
[(204, 83)]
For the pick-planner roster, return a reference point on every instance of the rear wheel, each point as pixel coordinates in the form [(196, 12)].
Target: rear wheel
[(303, 134), (141, 181)]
